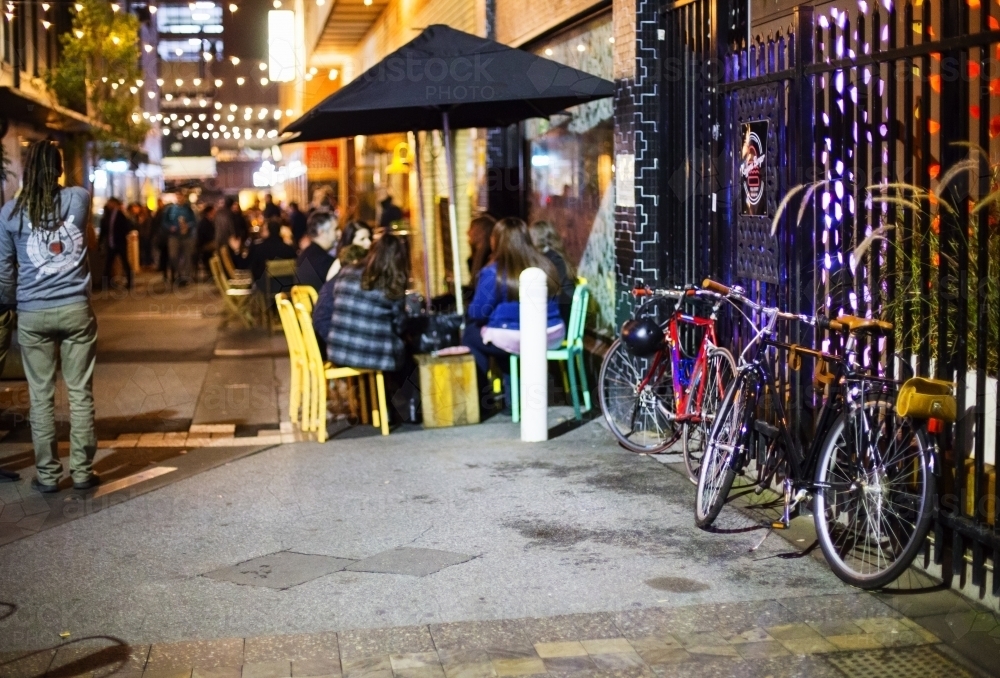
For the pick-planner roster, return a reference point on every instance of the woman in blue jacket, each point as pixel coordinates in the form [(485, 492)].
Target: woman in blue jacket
[(493, 327)]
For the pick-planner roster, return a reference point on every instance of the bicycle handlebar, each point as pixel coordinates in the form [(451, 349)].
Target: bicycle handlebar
[(716, 287)]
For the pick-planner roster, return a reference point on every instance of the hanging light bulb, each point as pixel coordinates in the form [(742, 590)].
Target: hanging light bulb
[(277, 4), (46, 25), (309, 76), (207, 56), (233, 7), (45, 7), (262, 66), (133, 90), (263, 82), (140, 82), (179, 82), (218, 82), (152, 9), (240, 80), (197, 82), (187, 101), (78, 7), (152, 95), (115, 7), (78, 33), (235, 60), (159, 82), (115, 39), (334, 73)]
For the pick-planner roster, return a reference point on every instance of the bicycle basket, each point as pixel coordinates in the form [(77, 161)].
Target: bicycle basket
[(922, 398)]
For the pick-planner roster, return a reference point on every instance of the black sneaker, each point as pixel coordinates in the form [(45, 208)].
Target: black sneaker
[(90, 483), (44, 488)]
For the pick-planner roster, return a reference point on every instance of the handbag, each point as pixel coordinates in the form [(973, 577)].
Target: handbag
[(429, 333)]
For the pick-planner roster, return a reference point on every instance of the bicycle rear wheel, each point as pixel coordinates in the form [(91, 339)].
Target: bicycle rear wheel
[(642, 419), (718, 373), (873, 508), (717, 472)]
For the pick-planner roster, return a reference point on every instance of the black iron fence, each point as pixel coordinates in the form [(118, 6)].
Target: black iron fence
[(882, 122)]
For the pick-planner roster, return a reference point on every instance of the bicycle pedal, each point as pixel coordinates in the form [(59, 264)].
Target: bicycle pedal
[(778, 525)]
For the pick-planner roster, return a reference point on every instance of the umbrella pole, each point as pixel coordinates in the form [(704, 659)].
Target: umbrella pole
[(423, 223), (456, 259)]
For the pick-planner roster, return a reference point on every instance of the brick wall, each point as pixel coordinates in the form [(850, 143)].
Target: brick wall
[(518, 21)]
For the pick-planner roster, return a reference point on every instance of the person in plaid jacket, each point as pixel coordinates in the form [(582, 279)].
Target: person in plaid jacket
[(368, 310)]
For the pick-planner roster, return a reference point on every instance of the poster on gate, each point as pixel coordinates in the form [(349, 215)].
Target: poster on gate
[(753, 159)]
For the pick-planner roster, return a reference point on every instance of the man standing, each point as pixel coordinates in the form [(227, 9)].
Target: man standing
[(298, 222), (271, 211), (314, 262), (115, 227), (206, 237), (179, 222), (43, 264)]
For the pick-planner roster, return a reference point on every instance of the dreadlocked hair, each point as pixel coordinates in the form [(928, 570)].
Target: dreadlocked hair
[(40, 195)]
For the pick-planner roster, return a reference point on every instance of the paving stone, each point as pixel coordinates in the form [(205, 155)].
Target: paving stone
[(11, 513), (413, 660), (769, 648), (564, 649), (656, 621), (837, 607), (217, 672), (704, 667), (25, 664), (415, 562), (654, 656), (607, 646), (804, 646), (792, 632), (196, 653), (98, 660), (313, 668), (366, 643), (168, 673), (472, 670), (494, 635), (368, 667), (713, 650), (272, 669), (863, 641), (295, 648), (522, 666), (754, 634), (569, 665), (618, 661), (281, 570), (925, 603), (836, 628), (571, 627)]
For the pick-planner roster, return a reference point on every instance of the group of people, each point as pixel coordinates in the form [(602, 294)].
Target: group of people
[(361, 276)]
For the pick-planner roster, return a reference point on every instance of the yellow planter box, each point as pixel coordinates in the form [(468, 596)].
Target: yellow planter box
[(449, 393)]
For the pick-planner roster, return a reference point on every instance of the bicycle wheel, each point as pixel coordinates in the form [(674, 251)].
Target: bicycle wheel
[(874, 509), (642, 420), (727, 435), (718, 373)]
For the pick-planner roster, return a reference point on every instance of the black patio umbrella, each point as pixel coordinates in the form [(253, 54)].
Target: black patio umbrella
[(447, 79)]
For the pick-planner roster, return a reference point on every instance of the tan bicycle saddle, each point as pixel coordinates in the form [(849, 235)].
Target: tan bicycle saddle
[(865, 325)]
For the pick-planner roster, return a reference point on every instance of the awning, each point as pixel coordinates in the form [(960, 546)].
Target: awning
[(20, 106)]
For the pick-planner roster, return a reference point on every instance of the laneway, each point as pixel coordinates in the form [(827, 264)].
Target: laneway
[(428, 528)]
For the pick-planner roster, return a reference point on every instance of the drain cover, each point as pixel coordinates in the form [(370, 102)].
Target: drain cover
[(414, 562), (915, 662), (281, 570)]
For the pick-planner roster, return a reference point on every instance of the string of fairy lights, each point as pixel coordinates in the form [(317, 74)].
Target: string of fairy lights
[(188, 106)]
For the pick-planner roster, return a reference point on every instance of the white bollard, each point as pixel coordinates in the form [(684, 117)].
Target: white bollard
[(534, 299)]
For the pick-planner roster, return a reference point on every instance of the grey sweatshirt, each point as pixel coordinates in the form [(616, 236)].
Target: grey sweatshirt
[(43, 268)]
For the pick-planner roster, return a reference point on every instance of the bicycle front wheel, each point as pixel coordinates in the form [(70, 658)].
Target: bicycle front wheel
[(708, 388), (640, 415), (717, 472), (873, 503)]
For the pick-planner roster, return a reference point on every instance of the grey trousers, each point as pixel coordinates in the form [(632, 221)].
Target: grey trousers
[(72, 331)]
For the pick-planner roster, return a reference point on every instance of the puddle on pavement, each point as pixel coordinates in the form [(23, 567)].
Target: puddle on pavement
[(677, 584)]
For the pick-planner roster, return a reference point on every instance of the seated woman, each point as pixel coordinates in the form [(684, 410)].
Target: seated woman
[(546, 240), (323, 308), (368, 310), (356, 233), (493, 327)]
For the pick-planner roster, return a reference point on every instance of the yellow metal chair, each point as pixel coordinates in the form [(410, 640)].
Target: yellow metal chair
[(273, 271), (298, 395), (305, 295), (237, 300), (237, 277), (321, 373)]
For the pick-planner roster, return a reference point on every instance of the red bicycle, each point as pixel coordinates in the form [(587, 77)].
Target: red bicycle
[(655, 390)]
